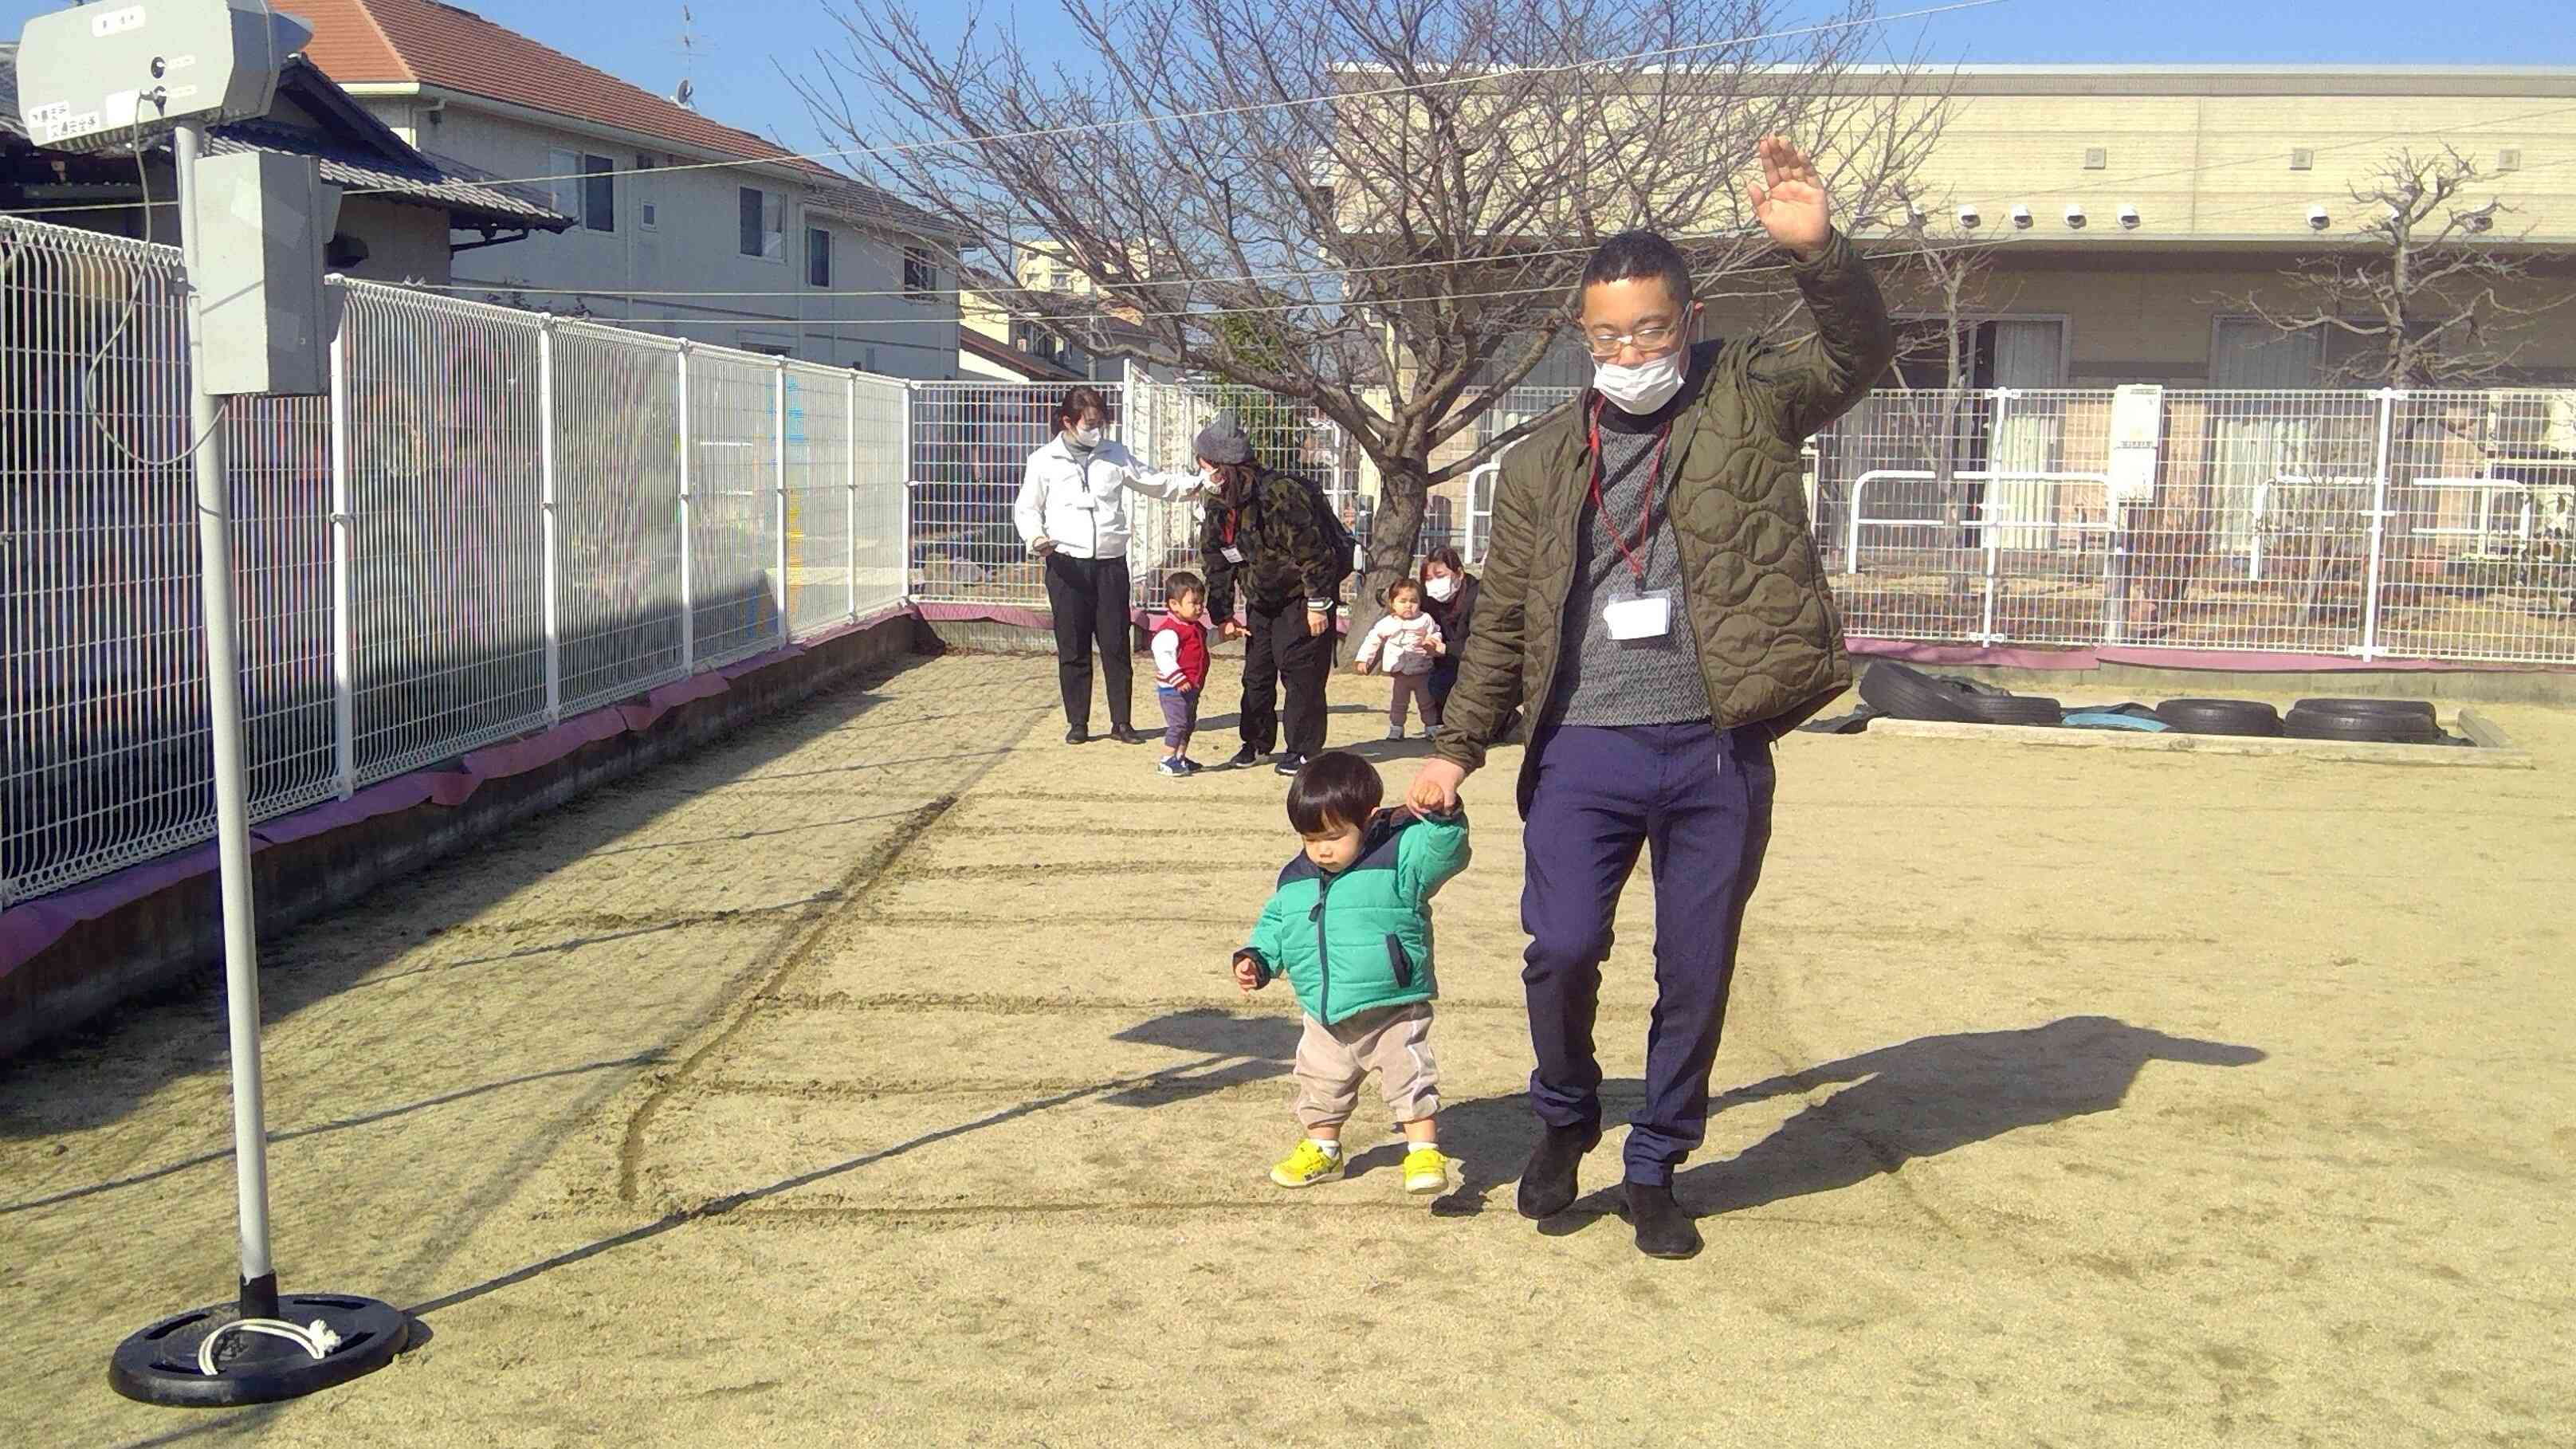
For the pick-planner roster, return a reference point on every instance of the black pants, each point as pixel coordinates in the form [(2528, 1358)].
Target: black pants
[(1089, 597), (1281, 652), (1700, 798)]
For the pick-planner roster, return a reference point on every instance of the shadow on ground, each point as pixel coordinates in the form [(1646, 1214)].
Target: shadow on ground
[(1916, 1099), (181, 1032)]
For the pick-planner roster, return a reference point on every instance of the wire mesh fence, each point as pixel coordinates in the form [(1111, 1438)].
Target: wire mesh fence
[(495, 519)]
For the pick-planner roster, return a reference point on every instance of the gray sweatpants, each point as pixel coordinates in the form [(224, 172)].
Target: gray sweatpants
[(1393, 1041)]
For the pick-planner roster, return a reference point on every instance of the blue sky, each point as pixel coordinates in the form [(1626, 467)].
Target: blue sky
[(743, 41)]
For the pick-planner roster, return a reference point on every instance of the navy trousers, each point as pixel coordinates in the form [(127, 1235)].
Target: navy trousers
[(1700, 798)]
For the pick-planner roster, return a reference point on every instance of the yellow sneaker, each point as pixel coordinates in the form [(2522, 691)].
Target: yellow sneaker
[(1308, 1165), (1425, 1171)]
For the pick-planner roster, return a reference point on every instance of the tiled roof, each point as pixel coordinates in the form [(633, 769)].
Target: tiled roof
[(1026, 364), (393, 168), (422, 42)]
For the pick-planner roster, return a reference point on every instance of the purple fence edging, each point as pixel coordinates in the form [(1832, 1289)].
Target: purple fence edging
[(2235, 661), (29, 927)]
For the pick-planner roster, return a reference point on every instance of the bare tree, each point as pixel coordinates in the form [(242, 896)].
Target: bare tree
[(1390, 199), (2426, 291), (1942, 274)]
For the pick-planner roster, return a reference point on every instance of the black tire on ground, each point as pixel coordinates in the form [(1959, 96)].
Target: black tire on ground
[(2015, 709), (1910, 694), (2418, 708), (2220, 716), (2305, 723)]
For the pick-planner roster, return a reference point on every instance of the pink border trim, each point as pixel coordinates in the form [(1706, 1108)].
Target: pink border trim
[(31, 926), (2240, 661)]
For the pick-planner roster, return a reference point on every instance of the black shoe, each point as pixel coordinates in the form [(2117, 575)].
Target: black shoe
[(1077, 736), (1290, 764), (1663, 1229), (1547, 1184), (1244, 759), (1125, 736)]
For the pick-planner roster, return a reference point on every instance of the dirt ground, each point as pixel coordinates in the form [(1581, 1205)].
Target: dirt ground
[(873, 1078)]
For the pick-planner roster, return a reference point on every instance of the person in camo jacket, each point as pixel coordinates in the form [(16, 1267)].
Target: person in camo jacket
[(1265, 537)]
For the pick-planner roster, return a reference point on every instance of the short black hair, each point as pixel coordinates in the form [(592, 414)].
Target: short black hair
[(1336, 788), (1079, 401), (1634, 254), (1180, 582)]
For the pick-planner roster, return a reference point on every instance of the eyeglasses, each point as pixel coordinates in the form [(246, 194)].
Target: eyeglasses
[(1649, 341)]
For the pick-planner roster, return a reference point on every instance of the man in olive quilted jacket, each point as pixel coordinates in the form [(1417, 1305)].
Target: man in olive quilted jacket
[(1654, 603)]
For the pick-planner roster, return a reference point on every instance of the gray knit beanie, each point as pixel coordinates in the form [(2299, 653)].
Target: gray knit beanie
[(1222, 440)]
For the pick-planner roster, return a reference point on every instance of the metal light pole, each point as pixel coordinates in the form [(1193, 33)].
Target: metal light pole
[(88, 80)]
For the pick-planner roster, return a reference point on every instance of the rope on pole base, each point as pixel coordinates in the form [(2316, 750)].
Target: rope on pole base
[(216, 1357)]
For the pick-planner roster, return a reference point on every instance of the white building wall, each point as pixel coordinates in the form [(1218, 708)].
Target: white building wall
[(693, 246)]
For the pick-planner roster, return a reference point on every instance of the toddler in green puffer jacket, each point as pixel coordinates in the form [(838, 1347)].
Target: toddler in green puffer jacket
[(1350, 927)]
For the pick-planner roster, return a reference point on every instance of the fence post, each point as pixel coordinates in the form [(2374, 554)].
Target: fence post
[(903, 473), (688, 591), (546, 507), (2378, 524), (1990, 513), (344, 633), (778, 503), (850, 452)]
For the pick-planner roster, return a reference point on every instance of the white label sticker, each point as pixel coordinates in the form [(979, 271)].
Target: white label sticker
[(1648, 618), (120, 107), (1231, 553), (49, 115), (117, 21)]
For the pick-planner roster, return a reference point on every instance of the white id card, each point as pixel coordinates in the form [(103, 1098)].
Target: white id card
[(1649, 617), (1232, 554)]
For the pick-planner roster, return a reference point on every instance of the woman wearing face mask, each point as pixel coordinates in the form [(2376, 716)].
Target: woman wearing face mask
[(1449, 597), (1072, 512)]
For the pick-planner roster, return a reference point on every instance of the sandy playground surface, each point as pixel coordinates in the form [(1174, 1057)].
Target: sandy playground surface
[(873, 1078)]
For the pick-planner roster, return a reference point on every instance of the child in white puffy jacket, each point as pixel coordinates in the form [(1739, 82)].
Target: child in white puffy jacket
[(1408, 641)]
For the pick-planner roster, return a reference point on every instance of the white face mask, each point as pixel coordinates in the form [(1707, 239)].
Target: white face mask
[(1645, 387), (1440, 588), (1087, 437)]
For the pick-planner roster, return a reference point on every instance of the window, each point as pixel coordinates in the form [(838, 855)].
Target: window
[(818, 257), (563, 183), (647, 215), (764, 225), (599, 193), (920, 277), (583, 187), (2013, 352)]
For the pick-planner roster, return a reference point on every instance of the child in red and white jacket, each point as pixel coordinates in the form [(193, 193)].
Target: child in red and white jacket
[(1180, 668)]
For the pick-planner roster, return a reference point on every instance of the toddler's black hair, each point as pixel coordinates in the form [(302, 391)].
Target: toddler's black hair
[(1335, 788)]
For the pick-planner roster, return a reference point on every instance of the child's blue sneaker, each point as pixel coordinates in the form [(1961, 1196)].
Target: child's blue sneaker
[(1175, 769)]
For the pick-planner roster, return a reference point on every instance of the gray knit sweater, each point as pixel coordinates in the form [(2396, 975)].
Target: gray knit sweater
[(1606, 681)]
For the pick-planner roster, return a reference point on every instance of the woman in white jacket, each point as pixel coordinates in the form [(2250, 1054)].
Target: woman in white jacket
[(1073, 513)]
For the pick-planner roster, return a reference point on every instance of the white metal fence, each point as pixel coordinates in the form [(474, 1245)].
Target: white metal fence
[(2370, 525), (492, 520), (495, 519)]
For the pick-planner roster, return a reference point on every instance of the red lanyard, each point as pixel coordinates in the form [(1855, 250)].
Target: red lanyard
[(1229, 528), (1645, 511)]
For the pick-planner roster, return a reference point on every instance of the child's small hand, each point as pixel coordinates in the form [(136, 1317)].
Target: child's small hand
[(1246, 975), (1437, 648), (1360, 666)]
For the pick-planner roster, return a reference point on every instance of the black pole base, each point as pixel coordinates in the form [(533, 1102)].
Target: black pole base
[(158, 1364)]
